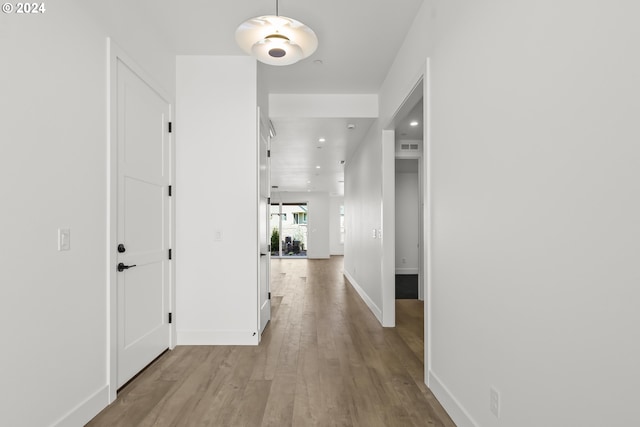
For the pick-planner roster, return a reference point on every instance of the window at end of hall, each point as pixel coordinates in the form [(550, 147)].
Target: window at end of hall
[(299, 217)]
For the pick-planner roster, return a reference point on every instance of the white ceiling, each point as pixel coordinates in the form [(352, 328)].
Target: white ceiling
[(296, 153), (358, 41)]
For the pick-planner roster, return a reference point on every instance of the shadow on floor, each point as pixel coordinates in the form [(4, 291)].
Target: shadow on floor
[(406, 286)]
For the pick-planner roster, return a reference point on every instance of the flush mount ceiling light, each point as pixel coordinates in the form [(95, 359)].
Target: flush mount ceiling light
[(276, 40)]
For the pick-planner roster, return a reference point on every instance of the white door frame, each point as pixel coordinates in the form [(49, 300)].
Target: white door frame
[(115, 54), (427, 219), (388, 214), (262, 127)]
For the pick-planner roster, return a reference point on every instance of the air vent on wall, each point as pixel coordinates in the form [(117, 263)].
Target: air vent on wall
[(409, 147)]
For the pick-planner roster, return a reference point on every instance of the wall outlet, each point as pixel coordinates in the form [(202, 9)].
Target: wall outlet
[(494, 402)]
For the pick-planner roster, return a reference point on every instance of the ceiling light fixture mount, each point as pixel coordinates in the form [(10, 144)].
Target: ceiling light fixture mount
[(276, 40)]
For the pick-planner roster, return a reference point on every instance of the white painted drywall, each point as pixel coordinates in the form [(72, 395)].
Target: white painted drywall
[(216, 197), (407, 221), (53, 104), (336, 247), (323, 105), (362, 251), (318, 230), (534, 237)]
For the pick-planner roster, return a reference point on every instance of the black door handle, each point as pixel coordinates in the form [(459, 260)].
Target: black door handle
[(122, 267)]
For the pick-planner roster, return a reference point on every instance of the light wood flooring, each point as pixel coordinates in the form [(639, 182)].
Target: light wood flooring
[(324, 360)]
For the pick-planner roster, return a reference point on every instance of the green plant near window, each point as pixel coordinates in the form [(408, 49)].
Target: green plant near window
[(275, 240)]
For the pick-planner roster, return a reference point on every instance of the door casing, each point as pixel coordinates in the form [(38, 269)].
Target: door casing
[(115, 54)]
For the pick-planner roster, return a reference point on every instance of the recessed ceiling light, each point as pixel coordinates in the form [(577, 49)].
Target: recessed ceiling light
[(321, 140), (413, 123), (351, 126), (317, 167)]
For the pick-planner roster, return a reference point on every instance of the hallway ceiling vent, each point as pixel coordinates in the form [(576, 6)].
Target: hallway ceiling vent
[(276, 40)]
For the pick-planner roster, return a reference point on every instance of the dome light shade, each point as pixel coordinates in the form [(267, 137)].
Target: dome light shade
[(276, 40)]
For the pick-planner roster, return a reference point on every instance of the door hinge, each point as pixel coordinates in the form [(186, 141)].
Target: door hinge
[(169, 253), (169, 191), (170, 128), (268, 248), (268, 153), (268, 200), (269, 295), (170, 317)]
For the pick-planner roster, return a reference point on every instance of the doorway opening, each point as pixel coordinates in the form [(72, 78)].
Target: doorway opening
[(407, 242), (289, 230), (409, 196)]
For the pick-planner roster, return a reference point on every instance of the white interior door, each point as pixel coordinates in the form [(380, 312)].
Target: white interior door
[(143, 223), (264, 295)]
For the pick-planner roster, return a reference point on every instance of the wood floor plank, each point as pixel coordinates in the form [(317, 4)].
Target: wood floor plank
[(324, 360)]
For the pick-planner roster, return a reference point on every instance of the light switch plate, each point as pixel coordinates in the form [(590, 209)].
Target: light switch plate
[(64, 239)]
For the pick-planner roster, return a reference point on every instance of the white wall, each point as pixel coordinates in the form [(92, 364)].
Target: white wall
[(216, 199), (53, 105), (407, 222), (362, 190), (335, 246), (317, 220), (534, 170)]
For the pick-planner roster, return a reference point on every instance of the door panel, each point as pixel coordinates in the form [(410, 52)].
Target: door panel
[(264, 302), (143, 223), (143, 302)]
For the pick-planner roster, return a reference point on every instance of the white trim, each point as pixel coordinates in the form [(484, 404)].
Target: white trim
[(372, 306), (427, 170), (258, 219), (85, 411), (112, 217), (448, 401), (422, 218), (115, 53), (388, 219), (407, 271), (211, 337)]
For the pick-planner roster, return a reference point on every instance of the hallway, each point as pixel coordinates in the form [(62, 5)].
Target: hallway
[(324, 360)]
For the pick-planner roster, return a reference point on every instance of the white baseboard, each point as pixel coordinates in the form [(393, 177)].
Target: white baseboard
[(207, 337), (407, 271), (450, 404), (85, 411), (372, 306)]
